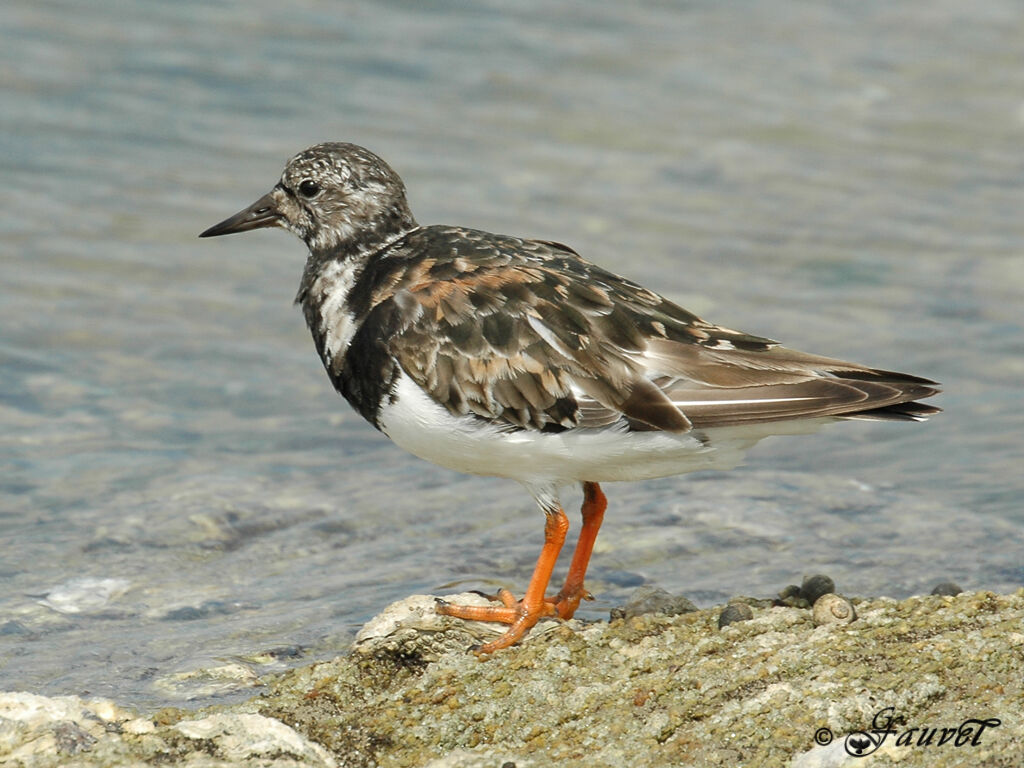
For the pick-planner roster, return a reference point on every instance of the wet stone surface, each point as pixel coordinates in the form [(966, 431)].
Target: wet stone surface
[(649, 690)]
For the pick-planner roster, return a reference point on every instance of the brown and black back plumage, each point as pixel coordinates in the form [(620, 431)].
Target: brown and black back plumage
[(529, 335)]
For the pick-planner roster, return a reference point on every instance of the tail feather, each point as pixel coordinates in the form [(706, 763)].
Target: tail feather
[(912, 411)]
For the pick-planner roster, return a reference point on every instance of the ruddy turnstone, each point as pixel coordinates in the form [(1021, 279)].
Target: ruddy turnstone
[(516, 358)]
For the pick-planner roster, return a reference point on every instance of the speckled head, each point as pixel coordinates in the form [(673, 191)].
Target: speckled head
[(339, 198)]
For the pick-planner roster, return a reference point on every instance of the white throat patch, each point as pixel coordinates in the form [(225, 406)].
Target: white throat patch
[(331, 289)]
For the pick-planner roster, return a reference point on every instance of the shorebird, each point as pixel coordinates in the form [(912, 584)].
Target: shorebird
[(517, 358)]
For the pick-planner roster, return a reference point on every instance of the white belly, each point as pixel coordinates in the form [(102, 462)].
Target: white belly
[(424, 428)]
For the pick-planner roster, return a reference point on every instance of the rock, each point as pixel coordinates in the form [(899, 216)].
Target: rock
[(412, 627), (648, 599), (84, 595), (733, 613), (648, 691), (947, 588), (38, 730), (815, 586), (206, 682), (41, 732), (830, 756), (244, 737), (461, 758), (805, 595), (792, 597)]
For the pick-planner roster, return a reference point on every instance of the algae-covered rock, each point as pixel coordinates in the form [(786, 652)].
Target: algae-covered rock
[(655, 690), (928, 681)]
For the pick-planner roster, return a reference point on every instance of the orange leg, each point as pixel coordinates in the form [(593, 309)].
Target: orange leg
[(533, 607), (594, 505), (523, 614)]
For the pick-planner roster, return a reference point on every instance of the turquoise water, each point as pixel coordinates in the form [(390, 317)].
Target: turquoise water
[(181, 489)]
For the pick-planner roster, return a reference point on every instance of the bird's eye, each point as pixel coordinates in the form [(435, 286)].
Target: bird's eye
[(309, 188)]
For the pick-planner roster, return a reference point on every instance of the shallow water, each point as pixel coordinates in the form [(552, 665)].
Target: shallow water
[(181, 489)]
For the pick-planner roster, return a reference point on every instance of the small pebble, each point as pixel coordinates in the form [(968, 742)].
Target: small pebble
[(947, 588), (815, 586), (833, 609), (646, 600), (792, 597), (734, 612)]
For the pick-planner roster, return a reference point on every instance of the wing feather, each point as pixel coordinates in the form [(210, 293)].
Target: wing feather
[(529, 335)]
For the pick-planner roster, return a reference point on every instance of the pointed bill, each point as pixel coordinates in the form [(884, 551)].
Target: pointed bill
[(262, 213)]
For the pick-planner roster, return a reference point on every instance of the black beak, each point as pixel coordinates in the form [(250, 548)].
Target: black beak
[(262, 213)]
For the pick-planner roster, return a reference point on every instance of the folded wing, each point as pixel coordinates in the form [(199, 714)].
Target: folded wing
[(528, 335)]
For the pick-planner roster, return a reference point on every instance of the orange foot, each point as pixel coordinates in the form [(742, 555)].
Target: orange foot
[(522, 615), (513, 612)]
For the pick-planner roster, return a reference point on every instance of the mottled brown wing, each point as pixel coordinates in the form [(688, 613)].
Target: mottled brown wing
[(528, 344), (528, 334)]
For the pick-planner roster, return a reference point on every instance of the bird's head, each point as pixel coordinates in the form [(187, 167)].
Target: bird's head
[(335, 196)]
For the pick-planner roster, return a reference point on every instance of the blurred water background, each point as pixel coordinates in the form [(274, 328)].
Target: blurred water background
[(181, 490)]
